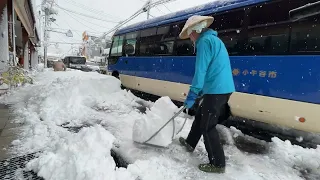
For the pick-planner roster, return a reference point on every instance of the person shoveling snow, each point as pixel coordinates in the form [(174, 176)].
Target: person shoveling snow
[(212, 79), (159, 114)]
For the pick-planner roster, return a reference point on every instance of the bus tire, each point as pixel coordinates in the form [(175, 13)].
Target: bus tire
[(116, 74)]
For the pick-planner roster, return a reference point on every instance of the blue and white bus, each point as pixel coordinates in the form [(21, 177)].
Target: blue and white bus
[(274, 47)]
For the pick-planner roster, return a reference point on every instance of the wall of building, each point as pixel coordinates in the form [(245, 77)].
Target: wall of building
[(4, 52), (34, 59)]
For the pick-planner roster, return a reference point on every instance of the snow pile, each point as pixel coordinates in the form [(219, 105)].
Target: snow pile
[(64, 97), (149, 123), (297, 157), (85, 155), (60, 99), (4, 86)]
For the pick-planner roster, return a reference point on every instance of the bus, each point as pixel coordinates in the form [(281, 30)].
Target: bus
[(274, 48)]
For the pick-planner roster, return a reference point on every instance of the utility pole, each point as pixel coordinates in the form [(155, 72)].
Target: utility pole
[(46, 6), (148, 12), (45, 45), (144, 9), (13, 35)]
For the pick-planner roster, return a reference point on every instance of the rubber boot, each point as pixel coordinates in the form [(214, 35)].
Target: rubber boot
[(185, 144), (209, 168)]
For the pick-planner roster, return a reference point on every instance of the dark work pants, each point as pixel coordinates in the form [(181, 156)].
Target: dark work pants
[(212, 111)]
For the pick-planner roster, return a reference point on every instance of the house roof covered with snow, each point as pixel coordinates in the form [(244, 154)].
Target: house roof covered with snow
[(209, 8)]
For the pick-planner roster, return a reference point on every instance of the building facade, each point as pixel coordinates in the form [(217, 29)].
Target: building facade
[(19, 36)]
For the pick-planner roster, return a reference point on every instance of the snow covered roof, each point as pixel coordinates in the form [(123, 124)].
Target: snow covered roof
[(212, 7)]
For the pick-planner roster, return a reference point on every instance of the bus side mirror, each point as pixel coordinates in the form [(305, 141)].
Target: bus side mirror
[(307, 10)]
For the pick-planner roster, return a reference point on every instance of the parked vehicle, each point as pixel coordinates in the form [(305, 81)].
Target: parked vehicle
[(75, 62)]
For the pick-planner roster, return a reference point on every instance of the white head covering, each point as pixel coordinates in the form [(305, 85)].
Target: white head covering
[(196, 23), (198, 27)]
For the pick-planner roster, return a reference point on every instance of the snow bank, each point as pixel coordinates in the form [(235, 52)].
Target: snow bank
[(59, 99), (299, 158), (81, 156), (64, 97), (4, 86), (149, 123), (86, 156)]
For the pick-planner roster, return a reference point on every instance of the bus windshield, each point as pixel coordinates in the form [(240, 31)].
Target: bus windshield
[(77, 60)]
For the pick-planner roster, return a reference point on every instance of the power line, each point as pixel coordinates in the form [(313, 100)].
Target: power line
[(75, 30), (151, 15), (69, 27), (79, 21), (167, 8), (87, 8), (93, 23), (160, 10), (94, 31), (85, 15), (145, 8), (91, 9)]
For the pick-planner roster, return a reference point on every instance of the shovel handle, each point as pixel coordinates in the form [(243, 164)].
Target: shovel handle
[(174, 116)]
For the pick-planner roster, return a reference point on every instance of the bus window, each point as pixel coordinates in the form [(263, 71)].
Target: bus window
[(185, 48), (231, 41), (165, 40), (167, 33), (230, 28), (227, 21), (130, 44), (268, 40), (271, 12), (114, 48), (305, 36), (148, 32), (147, 41)]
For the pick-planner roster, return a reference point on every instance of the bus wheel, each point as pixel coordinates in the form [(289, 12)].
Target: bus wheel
[(116, 74)]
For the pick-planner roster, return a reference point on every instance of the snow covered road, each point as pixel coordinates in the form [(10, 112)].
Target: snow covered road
[(59, 101)]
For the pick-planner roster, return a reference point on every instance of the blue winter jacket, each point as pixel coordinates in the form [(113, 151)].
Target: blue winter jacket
[(213, 74)]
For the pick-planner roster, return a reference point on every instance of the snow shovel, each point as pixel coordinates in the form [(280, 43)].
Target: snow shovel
[(173, 133)]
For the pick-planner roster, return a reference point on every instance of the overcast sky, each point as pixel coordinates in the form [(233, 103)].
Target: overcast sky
[(110, 11)]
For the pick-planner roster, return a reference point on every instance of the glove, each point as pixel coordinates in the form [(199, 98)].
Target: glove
[(190, 100)]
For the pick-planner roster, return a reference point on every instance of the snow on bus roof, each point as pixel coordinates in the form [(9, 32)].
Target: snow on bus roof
[(212, 7)]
